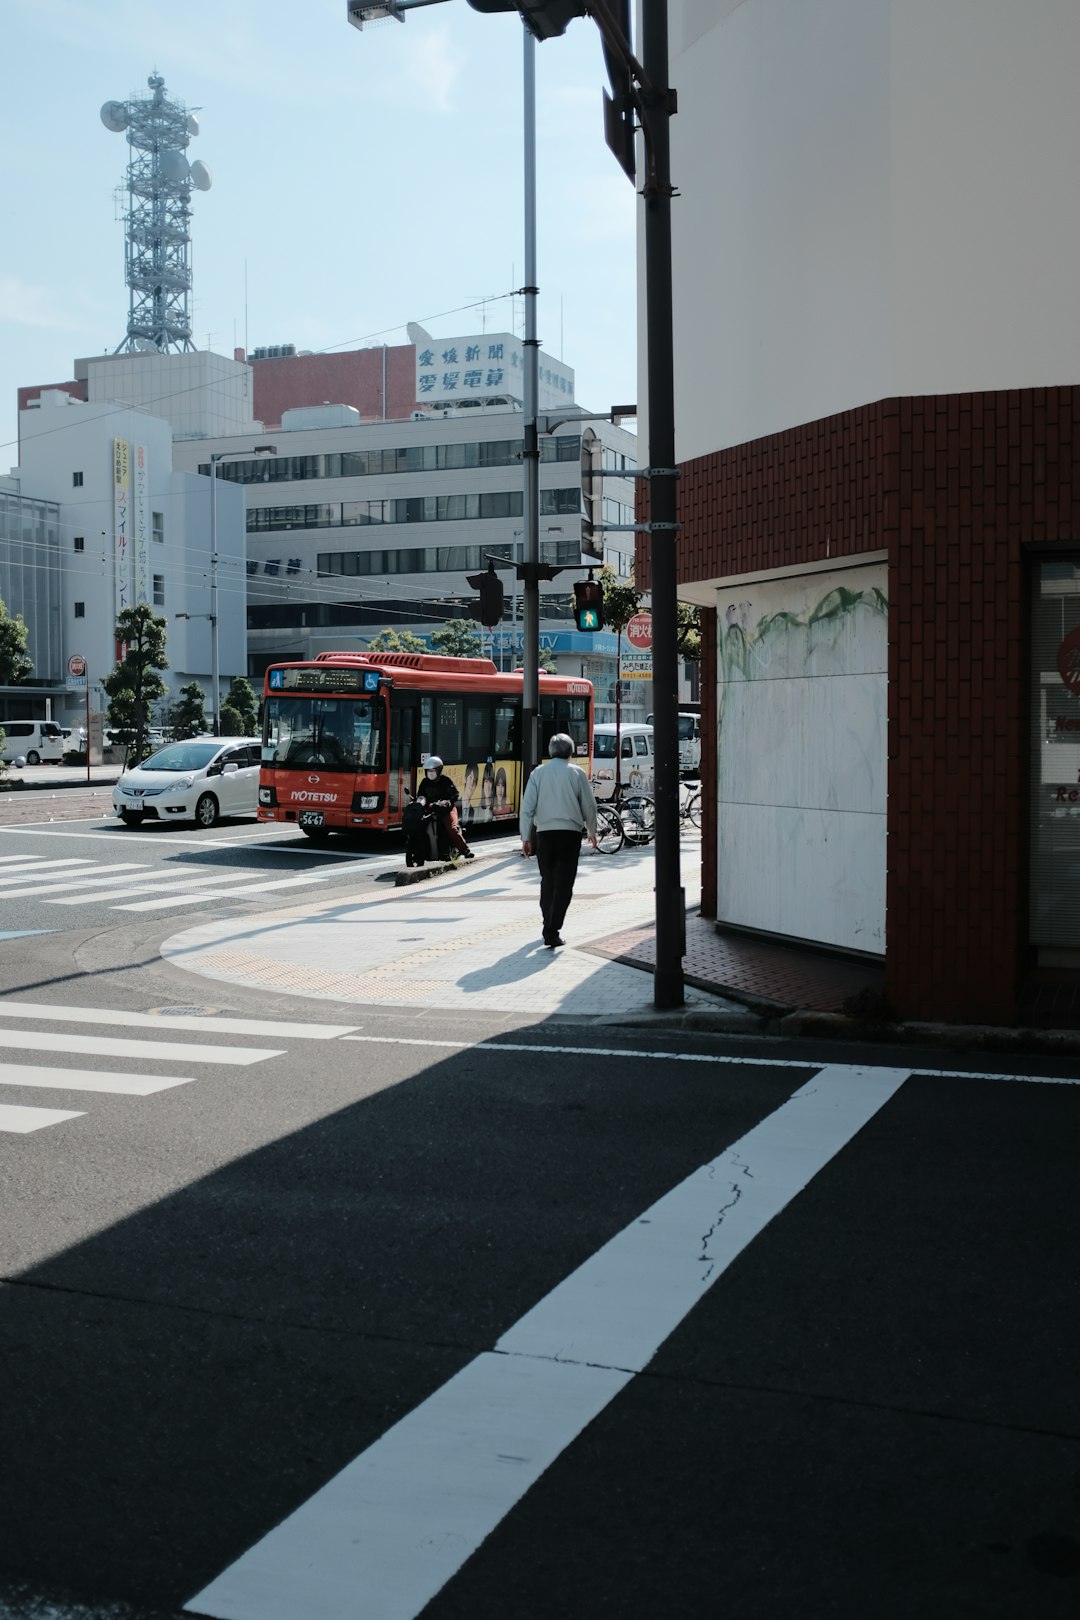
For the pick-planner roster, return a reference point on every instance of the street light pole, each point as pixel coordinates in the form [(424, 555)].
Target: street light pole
[(215, 662), (530, 680)]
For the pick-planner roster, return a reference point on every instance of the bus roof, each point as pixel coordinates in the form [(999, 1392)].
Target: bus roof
[(433, 670)]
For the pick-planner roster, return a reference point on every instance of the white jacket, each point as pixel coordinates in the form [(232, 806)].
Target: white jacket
[(558, 797)]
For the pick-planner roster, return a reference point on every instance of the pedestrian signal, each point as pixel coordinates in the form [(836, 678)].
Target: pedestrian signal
[(589, 604)]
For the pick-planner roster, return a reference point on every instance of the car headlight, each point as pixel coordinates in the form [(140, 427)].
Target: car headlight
[(180, 786)]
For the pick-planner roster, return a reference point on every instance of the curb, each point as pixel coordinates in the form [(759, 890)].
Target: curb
[(981, 1037)]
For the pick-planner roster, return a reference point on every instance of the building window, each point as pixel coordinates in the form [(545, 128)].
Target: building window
[(80, 610), (76, 480), (159, 590), (80, 543), (157, 527)]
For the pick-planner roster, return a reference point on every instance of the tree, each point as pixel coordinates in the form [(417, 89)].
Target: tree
[(622, 600), (231, 722), (397, 641), (242, 699), (15, 660), (134, 685), (187, 718), (547, 661), (458, 638), (688, 632)]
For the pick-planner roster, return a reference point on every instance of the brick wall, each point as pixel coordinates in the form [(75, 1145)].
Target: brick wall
[(954, 488), (353, 378)]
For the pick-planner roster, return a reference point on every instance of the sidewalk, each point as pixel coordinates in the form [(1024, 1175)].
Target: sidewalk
[(469, 940), (464, 940)]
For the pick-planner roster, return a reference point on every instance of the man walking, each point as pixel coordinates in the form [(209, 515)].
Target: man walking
[(557, 805)]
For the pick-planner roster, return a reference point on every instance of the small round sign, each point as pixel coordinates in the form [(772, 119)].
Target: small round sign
[(76, 664), (639, 632)]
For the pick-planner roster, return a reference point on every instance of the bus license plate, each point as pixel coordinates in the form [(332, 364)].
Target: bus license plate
[(311, 818)]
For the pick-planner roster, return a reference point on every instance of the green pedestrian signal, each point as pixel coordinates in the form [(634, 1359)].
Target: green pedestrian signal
[(589, 604)]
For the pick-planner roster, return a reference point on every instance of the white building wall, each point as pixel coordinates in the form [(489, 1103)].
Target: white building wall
[(837, 239), (65, 437), (199, 393)]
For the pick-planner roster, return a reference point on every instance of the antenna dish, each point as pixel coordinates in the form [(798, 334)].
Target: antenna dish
[(174, 166), (114, 115), (201, 178), (192, 124)]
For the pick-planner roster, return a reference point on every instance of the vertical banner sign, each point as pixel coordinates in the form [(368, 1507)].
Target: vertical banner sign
[(140, 523), (122, 524)]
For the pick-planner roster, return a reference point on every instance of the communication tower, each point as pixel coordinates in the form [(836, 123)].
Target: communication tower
[(157, 242)]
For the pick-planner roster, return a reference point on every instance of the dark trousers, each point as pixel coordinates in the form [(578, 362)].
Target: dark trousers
[(557, 857)]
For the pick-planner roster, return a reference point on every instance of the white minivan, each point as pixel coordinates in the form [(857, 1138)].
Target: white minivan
[(635, 758), (39, 742)]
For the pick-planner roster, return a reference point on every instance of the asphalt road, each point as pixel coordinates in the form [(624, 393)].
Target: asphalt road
[(312, 1311)]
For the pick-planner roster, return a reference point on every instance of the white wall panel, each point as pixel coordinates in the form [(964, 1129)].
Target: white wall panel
[(802, 756)]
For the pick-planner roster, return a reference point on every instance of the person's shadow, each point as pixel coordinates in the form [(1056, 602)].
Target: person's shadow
[(511, 970)]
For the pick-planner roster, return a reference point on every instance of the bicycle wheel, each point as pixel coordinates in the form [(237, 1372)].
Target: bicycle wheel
[(609, 830), (693, 809), (638, 818)]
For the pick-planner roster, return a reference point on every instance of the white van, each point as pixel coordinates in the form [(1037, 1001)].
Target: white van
[(39, 742), (636, 766)]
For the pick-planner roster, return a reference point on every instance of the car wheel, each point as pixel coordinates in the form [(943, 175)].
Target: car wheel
[(206, 811), (131, 818), (33, 757)]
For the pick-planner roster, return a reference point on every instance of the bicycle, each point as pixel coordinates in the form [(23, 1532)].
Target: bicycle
[(690, 805), (609, 830), (635, 812)]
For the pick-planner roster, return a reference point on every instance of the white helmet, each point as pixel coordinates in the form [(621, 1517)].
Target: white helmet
[(433, 763)]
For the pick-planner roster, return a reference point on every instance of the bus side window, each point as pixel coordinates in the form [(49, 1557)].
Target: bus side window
[(448, 730), (506, 731), (424, 743), (478, 729)]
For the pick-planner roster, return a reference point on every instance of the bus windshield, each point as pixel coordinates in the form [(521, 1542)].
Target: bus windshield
[(338, 734)]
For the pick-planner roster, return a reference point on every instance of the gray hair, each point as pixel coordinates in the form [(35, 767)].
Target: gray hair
[(561, 746)]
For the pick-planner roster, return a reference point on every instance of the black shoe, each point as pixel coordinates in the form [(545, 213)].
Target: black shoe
[(468, 855), (553, 940)]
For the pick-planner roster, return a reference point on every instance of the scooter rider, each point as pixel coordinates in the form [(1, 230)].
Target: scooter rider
[(439, 792)]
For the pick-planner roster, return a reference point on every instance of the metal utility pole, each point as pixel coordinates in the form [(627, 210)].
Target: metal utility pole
[(530, 681), (663, 525)]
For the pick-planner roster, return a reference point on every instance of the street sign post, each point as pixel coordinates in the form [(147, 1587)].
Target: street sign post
[(78, 681)]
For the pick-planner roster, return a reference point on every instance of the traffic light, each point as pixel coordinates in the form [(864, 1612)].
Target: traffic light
[(491, 596), (547, 19), (592, 493), (589, 604)]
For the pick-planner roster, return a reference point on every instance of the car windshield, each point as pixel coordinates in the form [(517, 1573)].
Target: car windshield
[(182, 756), (687, 727), (339, 734)]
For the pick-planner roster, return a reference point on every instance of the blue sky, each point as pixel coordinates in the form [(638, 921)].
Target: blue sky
[(363, 179)]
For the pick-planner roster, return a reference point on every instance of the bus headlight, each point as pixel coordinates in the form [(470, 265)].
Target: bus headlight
[(267, 795), (367, 801)]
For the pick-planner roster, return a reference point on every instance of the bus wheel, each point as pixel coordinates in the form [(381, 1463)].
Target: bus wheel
[(318, 835)]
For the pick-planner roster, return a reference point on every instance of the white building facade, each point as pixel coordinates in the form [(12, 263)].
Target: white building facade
[(129, 529)]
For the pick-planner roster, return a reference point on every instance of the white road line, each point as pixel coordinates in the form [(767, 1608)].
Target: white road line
[(223, 894), (55, 1013), (390, 1530), (40, 863), (700, 1057), (32, 1040), (154, 880), (101, 1080), (104, 875), (14, 1117)]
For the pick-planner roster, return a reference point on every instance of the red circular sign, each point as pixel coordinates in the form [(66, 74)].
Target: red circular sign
[(1068, 661), (639, 632), (76, 664)]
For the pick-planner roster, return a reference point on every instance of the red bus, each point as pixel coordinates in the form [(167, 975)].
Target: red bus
[(345, 735)]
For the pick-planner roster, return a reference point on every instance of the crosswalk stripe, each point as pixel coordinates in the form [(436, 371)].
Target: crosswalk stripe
[(43, 870), (140, 886), (101, 1080), (221, 894), (115, 1046), (14, 1117), (55, 1013), (105, 875)]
